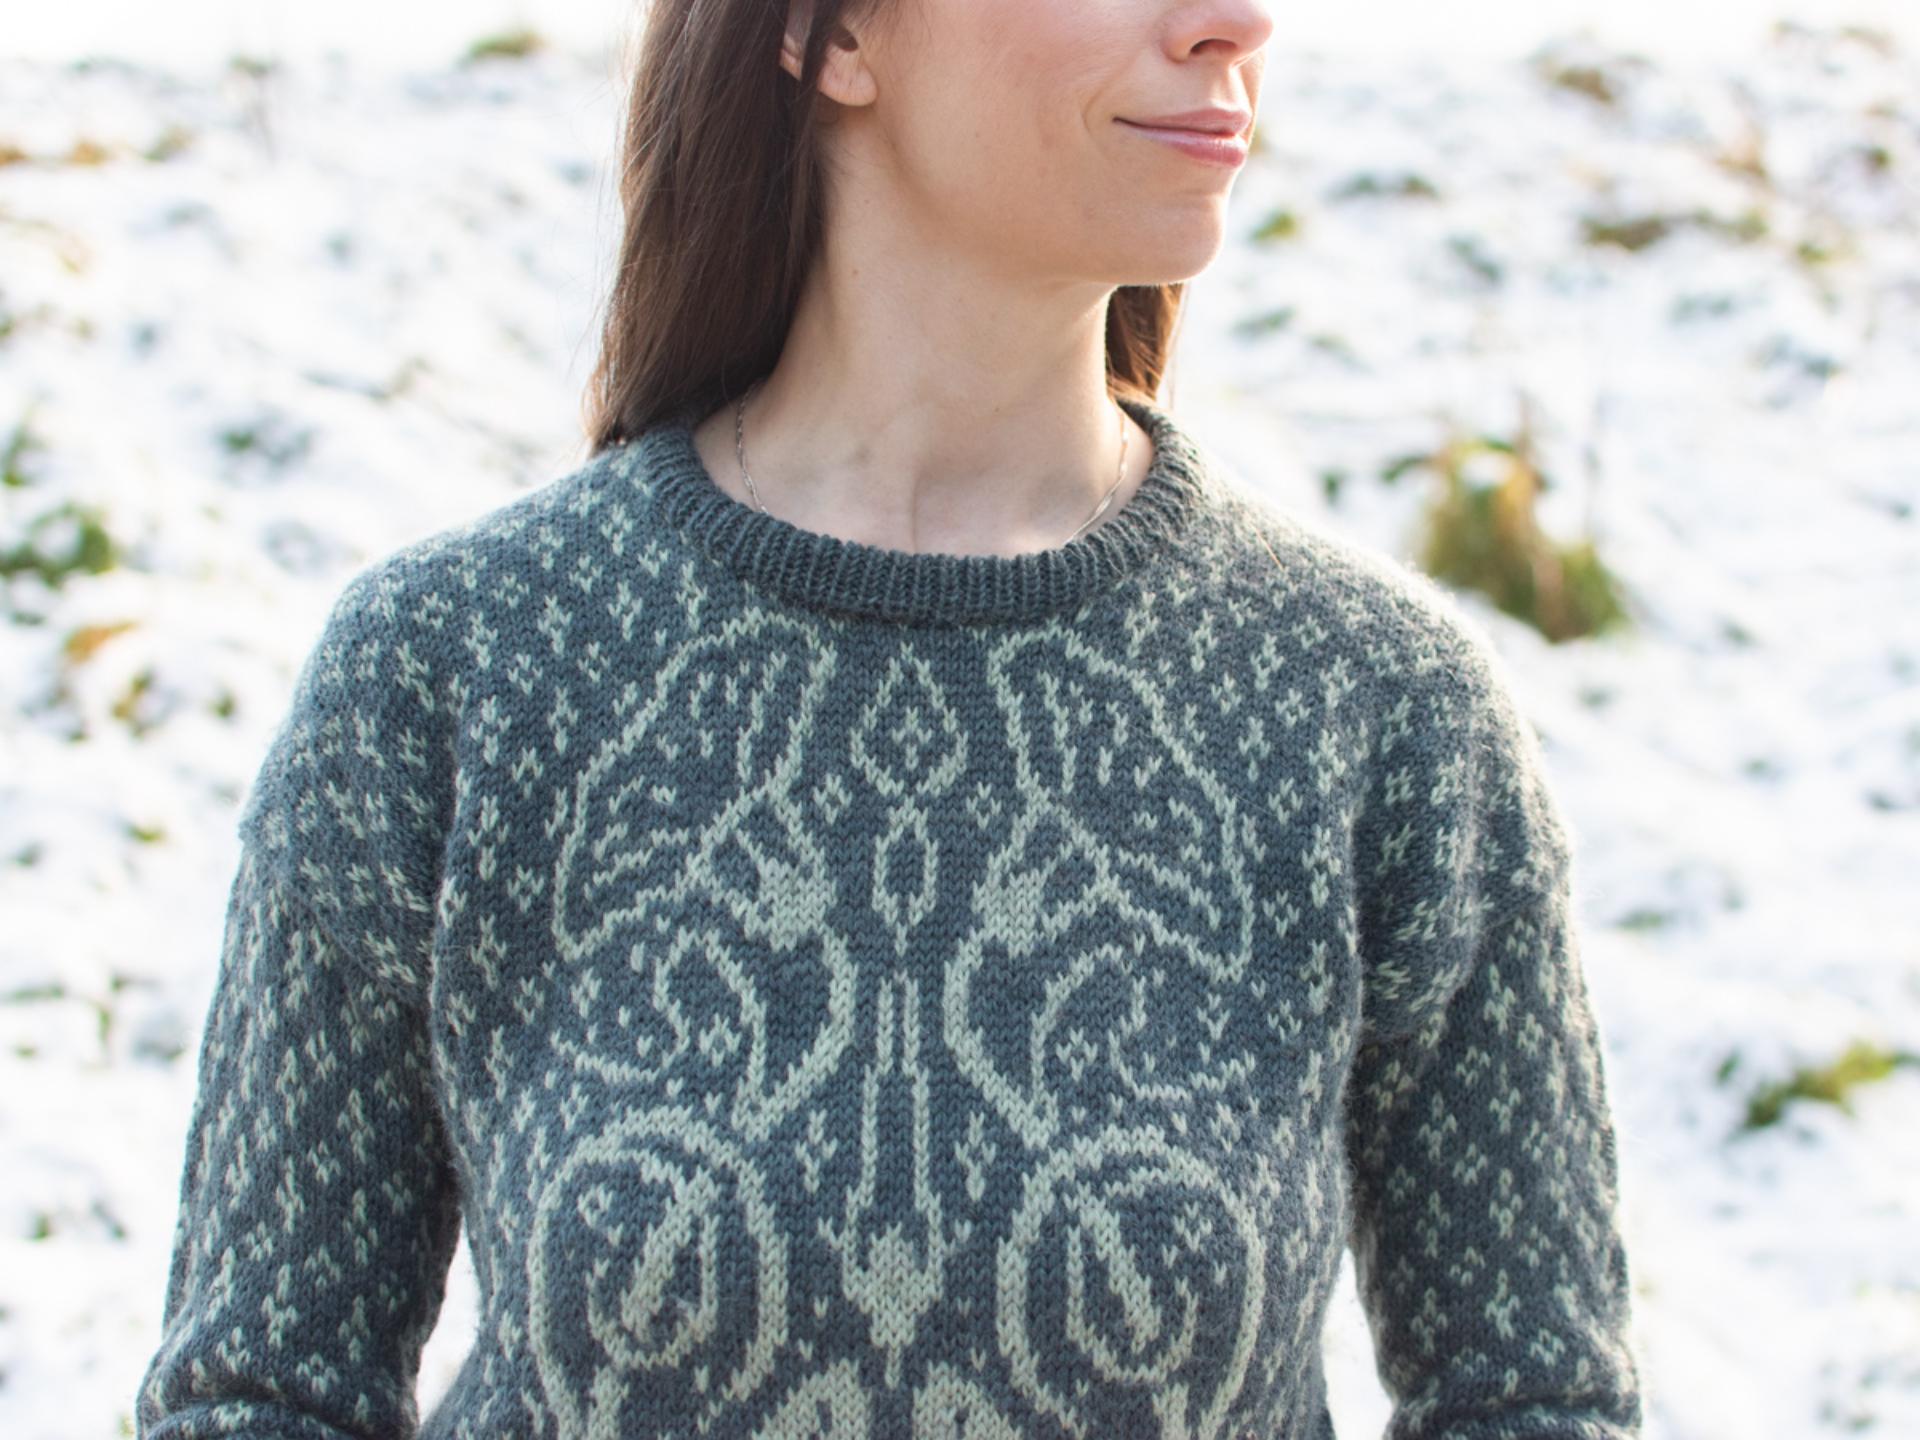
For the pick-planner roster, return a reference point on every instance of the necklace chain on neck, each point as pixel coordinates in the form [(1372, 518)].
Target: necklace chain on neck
[(740, 449)]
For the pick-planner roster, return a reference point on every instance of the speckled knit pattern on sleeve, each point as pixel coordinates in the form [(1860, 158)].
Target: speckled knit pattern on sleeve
[(846, 993)]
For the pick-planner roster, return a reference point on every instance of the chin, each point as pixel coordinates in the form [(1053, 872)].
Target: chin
[(1174, 261)]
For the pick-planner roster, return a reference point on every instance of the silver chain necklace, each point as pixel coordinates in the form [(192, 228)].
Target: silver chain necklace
[(740, 449)]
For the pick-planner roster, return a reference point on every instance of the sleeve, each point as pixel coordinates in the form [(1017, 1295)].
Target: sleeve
[(318, 1204), (1480, 1144)]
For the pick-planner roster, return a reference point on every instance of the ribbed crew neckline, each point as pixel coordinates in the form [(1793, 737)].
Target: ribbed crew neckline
[(849, 577)]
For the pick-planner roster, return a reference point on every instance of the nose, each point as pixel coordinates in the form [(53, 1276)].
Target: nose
[(1233, 28)]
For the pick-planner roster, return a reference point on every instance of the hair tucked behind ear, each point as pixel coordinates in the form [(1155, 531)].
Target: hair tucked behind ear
[(723, 189)]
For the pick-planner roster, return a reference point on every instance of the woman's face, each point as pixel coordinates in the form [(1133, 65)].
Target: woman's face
[(996, 127)]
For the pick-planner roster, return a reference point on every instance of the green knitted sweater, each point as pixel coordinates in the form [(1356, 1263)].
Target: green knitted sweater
[(845, 992)]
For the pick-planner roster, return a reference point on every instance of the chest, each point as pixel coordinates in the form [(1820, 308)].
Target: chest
[(944, 1008)]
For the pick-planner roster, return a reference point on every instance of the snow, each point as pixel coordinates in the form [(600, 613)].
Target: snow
[(359, 305)]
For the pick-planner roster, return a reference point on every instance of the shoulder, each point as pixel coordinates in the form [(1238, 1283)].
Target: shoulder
[(534, 539), (449, 603), (354, 796), (1425, 700), (1407, 637)]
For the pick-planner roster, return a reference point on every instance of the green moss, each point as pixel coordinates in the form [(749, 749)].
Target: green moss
[(60, 543), (1860, 1063), (1280, 225), (507, 45), (1472, 253), (1634, 233), (1406, 185), (22, 443), (1486, 537), (171, 141), (1267, 322), (1588, 80)]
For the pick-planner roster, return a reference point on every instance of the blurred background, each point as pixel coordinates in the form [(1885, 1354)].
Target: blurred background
[(1608, 315)]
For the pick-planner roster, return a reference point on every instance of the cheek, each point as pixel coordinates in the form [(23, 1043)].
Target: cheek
[(1010, 125), (1021, 83)]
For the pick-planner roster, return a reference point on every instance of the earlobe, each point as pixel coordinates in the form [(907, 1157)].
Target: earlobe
[(844, 74)]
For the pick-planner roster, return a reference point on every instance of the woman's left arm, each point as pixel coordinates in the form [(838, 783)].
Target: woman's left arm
[(1481, 1146)]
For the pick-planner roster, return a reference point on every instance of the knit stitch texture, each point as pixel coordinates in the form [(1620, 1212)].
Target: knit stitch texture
[(843, 992)]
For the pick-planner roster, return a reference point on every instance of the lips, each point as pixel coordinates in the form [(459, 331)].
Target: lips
[(1209, 146), (1227, 123)]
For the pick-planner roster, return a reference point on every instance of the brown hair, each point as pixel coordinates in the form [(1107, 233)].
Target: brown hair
[(722, 185)]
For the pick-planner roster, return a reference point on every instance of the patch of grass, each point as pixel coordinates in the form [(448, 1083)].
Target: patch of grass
[(1266, 322), (65, 541), (1589, 80), (116, 1229), (1788, 352), (271, 440), (130, 709), (1861, 1063), (1486, 536), (84, 642), (1282, 224), (53, 992), (1471, 252), (1335, 347), (1695, 306), (1635, 233), (1743, 229), (1813, 251), (1647, 918), (506, 45), (22, 442), (86, 152), (1632, 233), (170, 142), (1406, 185), (1603, 79)]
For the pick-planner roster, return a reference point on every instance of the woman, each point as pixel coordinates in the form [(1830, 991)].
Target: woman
[(894, 900)]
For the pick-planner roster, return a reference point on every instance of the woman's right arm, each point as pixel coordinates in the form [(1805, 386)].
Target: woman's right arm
[(318, 1201), (318, 1208)]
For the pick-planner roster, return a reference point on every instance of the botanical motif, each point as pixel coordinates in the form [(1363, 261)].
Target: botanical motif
[(654, 1249), (1121, 866)]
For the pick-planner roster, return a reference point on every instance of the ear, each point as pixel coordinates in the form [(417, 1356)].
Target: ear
[(844, 74)]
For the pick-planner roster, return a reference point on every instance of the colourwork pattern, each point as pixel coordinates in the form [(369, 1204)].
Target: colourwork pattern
[(846, 993)]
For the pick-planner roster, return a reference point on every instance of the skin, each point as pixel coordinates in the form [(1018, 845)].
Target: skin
[(942, 388)]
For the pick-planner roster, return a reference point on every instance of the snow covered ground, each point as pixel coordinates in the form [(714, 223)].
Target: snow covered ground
[(259, 327)]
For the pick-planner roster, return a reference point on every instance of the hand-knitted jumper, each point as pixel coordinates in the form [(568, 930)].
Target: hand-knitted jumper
[(850, 992)]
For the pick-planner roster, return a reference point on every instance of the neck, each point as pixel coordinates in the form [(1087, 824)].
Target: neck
[(821, 571), (932, 423)]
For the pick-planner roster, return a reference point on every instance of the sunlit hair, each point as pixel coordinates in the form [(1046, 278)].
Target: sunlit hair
[(722, 189)]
